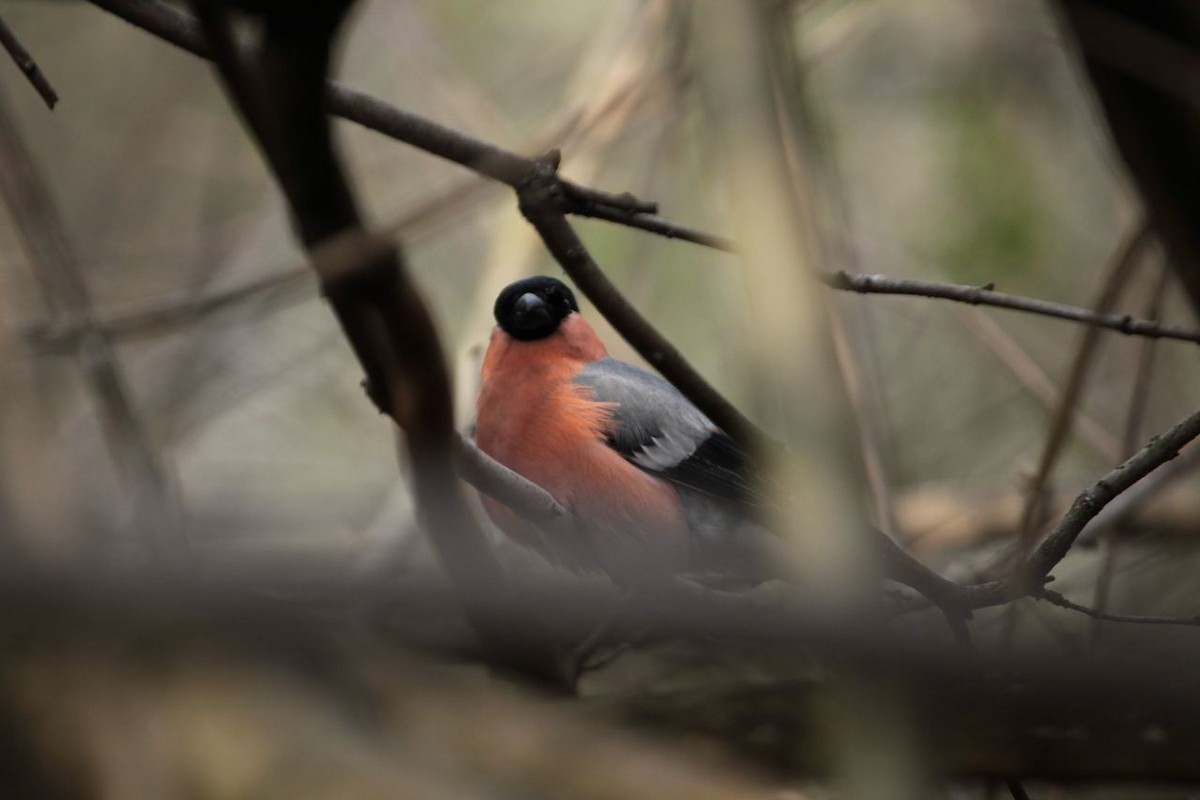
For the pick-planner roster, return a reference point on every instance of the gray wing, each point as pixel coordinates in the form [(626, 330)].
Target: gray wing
[(659, 430)]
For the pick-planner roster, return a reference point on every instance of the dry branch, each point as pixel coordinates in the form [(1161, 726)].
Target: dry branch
[(987, 296), (277, 84), (27, 65)]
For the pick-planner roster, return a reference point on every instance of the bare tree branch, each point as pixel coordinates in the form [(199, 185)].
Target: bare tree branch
[(1134, 416), (277, 83), (541, 203), (514, 170), (27, 65), (499, 482), (1091, 501), (1017, 360), (1117, 278), (987, 296), (541, 190), (56, 267), (1057, 599)]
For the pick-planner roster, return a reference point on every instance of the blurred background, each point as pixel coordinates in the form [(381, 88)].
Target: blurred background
[(955, 141)]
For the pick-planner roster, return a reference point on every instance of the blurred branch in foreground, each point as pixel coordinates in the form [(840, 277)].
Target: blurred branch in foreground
[(53, 261), (1144, 62), (27, 65), (277, 85)]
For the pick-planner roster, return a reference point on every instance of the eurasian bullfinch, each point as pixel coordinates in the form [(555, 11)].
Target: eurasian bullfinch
[(650, 482)]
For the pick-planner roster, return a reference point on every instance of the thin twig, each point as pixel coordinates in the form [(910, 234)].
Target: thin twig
[(1118, 274), (1133, 426), (1092, 500), (1017, 360), (987, 296), (1057, 599), (653, 224), (27, 65), (868, 439)]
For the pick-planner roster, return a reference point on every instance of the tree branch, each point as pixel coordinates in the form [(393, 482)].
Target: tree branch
[(277, 84), (541, 203), (475, 154), (987, 296), (523, 496), (1091, 501), (1054, 598), (27, 65), (501, 165)]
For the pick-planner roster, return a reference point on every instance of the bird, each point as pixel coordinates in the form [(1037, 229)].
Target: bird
[(653, 487)]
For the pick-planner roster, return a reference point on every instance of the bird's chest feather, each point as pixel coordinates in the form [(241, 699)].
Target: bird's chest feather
[(533, 418)]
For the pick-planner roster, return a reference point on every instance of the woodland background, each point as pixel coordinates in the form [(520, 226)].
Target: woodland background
[(950, 141)]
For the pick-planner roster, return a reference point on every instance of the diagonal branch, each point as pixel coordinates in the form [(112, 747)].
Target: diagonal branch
[(27, 65), (1118, 275), (1091, 501), (55, 265), (277, 84), (541, 200), (482, 157)]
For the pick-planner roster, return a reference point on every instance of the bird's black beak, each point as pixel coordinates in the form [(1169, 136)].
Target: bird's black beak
[(530, 312)]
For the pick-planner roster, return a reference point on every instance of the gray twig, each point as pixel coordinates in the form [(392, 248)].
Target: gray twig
[(1057, 599)]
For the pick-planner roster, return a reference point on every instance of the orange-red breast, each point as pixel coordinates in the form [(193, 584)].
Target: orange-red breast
[(649, 480)]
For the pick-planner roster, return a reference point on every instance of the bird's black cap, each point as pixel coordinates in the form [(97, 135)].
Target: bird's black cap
[(532, 308)]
